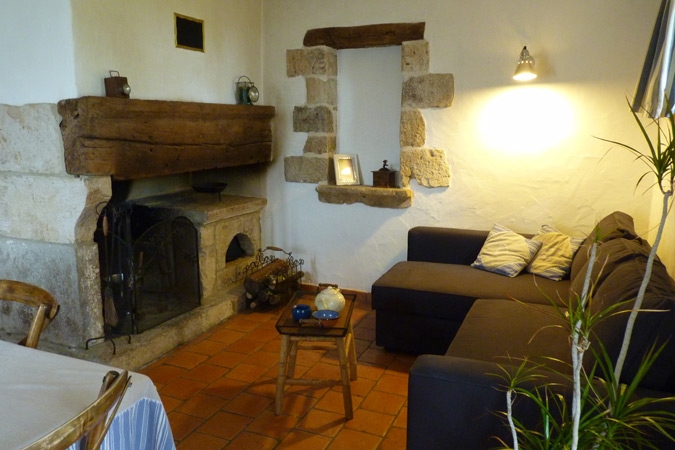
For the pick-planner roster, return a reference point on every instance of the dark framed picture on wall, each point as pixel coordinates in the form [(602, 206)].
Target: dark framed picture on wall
[(346, 169), (189, 32)]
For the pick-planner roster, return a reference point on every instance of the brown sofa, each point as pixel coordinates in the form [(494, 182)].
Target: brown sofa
[(465, 323)]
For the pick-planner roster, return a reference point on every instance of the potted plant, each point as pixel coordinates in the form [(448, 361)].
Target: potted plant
[(604, 413)]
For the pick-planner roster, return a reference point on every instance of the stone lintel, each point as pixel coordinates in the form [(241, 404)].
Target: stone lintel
[(317, 119), (395, 198), (319, 60), (415, 56), (434, 90), (364, 36)]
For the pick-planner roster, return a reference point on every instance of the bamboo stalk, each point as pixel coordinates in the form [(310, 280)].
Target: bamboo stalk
[(579, 345), (641, 292)]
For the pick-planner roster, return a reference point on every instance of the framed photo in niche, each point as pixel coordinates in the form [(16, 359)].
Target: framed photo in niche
[(346, 169)]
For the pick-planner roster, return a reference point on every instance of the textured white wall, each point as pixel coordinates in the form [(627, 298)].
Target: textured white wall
[(137, 39), (521, 155), (56, 49), (36, 51)]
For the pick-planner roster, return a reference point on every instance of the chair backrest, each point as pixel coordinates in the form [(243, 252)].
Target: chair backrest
[(91, 425), (28, 294)]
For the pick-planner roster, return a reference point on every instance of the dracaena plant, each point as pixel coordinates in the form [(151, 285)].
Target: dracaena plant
[(660, 162), (603, 413)]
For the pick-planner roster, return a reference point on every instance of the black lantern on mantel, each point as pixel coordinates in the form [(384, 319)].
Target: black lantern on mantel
[(384, 177), (116, 86)]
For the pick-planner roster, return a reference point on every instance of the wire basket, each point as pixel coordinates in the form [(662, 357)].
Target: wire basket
[(270, 280)]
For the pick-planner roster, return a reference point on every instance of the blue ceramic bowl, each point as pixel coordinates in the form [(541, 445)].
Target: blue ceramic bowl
[(301, 311), (327, 318), (325, 314)]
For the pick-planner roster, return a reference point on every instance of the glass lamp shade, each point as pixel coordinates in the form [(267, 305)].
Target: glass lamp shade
[(525, 67)]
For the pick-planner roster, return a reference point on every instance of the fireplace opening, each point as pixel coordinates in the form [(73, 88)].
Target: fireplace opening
[(149, 261)]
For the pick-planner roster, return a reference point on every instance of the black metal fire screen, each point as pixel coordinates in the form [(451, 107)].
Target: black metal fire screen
[(149, 267)]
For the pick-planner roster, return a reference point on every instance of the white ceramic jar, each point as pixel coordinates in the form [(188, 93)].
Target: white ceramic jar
[(330, 298)]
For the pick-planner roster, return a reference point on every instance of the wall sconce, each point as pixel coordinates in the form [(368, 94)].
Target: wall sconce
[(525, 68)]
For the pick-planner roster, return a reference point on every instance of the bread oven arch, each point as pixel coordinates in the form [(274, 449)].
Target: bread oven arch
[(241, 245)]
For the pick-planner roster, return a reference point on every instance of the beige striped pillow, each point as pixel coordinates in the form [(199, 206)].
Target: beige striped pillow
[(505, 252), (554, 259)]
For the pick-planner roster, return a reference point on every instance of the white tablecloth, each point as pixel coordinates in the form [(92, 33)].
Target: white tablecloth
[(39, 391)]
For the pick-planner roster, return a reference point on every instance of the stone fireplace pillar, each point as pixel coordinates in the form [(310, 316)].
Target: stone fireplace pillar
[(47, 219)]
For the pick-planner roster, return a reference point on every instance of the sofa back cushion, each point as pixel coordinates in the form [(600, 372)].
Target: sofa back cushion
[(616, 225), (609, 255), (616, 279)]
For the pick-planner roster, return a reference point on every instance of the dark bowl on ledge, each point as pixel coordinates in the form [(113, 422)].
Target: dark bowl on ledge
[(209, 187)]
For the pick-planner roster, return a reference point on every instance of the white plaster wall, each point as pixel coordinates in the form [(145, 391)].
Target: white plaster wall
[(137, 39), (369, 95), (36, 51), (521, 155)]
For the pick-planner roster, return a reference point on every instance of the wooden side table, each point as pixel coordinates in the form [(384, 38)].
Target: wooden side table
[(292, 333)]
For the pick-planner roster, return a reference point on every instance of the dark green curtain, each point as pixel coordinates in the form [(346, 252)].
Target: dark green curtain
[(656, 80)]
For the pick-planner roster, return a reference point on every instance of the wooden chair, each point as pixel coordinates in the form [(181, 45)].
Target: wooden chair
[(91, 425), (36, 297)]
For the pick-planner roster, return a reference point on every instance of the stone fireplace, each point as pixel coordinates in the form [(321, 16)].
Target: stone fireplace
[(50, 206)]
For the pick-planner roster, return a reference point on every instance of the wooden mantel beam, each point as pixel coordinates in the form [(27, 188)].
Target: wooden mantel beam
[(129, 138), (364, 36)]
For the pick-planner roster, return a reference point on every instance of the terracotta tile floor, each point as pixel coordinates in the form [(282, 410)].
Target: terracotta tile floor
[(218, 390)]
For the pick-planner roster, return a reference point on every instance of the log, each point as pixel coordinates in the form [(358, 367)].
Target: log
[(380, 35), (129, 138)]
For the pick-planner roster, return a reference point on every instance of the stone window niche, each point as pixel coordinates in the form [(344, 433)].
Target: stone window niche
[(317, 63)]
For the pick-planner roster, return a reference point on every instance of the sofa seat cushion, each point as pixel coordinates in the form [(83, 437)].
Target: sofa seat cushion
[(448, 290), (495, 330)]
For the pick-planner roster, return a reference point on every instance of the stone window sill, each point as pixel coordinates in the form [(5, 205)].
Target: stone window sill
[(395, 198)]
